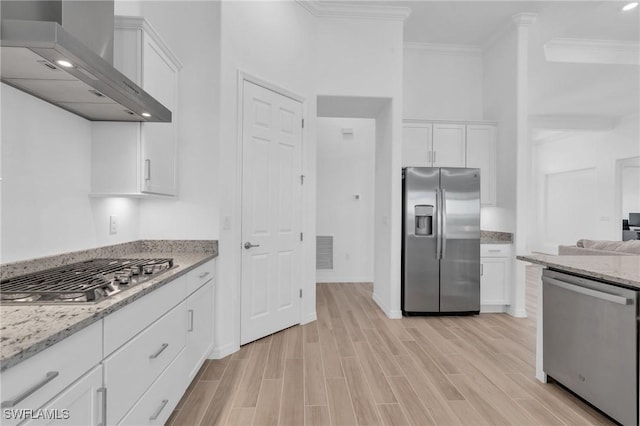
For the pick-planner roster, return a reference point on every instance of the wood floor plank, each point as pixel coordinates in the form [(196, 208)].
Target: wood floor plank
[(317, 415), (467, 415), (392, 415), (538, 412), (215, 369), (330, 354), (429, 346), (292, 403), (268, 406), (275, 363), (314, 384), (250, 385), (363, 402), (433, 372), (294, 342), (241, 416), (222, 400), (409, 400), (310, 332), (380, 388), (340, 407), (197, 404), (392, 343), (243, 353), (384, 357), (433, 400)]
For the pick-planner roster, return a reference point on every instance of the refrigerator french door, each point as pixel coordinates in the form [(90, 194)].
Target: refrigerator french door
[(440, 240)]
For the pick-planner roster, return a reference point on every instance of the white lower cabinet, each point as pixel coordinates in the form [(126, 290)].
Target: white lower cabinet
[(494, 273), (130, 371), (80, 404), (200, 327), (37, 380), (156, 405), (153, 347)]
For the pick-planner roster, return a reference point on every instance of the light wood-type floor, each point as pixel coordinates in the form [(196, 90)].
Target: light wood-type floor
[(355, 366)]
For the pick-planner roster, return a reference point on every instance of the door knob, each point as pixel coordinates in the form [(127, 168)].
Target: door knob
[(248, 245)]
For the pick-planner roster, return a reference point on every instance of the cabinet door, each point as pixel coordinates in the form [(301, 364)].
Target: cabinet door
[(80, 404), (449, 145), (199, 327), (481, 154), (493, 289), (159, 77), (416, 145)]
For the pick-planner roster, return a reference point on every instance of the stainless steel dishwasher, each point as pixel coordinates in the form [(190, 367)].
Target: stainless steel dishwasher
[(590, 341)]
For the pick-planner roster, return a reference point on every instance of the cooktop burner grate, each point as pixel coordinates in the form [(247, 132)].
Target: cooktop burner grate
[(80, 279)]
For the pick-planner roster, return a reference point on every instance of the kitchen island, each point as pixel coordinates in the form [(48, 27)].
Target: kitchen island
[(587, 329)]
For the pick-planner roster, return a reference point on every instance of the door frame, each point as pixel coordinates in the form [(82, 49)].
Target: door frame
[(243, 76)]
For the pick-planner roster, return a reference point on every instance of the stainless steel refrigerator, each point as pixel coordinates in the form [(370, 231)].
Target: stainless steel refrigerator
[(440, 240)]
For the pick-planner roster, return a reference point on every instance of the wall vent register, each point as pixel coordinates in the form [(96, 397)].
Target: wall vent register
[(88, 281)]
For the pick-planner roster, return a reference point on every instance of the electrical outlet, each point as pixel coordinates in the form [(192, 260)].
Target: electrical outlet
[(113, 224)]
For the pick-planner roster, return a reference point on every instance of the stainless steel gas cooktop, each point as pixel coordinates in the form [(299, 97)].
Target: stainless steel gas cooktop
[(89, 281)]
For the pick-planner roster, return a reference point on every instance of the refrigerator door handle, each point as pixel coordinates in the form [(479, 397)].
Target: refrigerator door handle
[(438, 224), (443, 225)]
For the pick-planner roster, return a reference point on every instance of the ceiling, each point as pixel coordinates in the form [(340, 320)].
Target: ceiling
[(555, 88)]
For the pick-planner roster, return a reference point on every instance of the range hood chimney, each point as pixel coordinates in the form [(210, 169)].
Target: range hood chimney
[(61, 51)]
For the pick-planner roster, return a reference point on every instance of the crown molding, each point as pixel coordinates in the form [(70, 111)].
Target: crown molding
[(524, 19), (445, 49), (322, 9), (572, 122), (125, 22), (591, 51)]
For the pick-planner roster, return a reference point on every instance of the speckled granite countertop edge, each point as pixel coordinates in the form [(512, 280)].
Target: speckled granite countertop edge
[(622, 270), (22, 334), (495, 237)]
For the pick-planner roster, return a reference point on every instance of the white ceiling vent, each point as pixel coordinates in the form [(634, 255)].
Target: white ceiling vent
[(324, 252)]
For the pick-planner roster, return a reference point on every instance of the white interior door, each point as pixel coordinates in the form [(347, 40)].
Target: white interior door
[(271, 212)]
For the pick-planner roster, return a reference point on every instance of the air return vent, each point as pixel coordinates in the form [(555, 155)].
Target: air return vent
[(324, 252)]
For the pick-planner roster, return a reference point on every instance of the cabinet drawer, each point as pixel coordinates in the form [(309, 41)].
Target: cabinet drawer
[(132, 368), (122, 325), (197, 277), (156, 405), (495, 250), (50, 371)]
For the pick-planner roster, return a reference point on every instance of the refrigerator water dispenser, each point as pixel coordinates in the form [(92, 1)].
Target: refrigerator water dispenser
[(424, 220)]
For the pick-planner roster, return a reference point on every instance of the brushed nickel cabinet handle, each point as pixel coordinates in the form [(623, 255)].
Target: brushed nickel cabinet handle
[(157, 413), (103, 391), (202, 275), (157, 354), (190, 320), (147, 169), (18, 399)]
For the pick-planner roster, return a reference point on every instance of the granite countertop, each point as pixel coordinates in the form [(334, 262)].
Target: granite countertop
[(26, 330), (623, 270), (495, 237)]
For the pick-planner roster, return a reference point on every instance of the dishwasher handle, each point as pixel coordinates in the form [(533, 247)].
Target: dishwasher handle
[(620, 300)]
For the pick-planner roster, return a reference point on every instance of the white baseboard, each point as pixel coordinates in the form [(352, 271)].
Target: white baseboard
[(321, 279), (518, 313), (392, 314), (223, 351), (493, 309), (311, 317)]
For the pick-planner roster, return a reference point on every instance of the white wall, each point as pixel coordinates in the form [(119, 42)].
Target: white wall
[(442, 83), (577, 175), (193, 34), (500, 104), (274, 41), (46, 210), (345, 167)]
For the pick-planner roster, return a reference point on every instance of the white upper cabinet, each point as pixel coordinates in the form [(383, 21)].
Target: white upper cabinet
[(449, 145), (143, 155), (453, 144), (481, 154), (416, 145)]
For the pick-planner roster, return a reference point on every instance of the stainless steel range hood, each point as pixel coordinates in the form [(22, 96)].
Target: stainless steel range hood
[(36, 36)]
